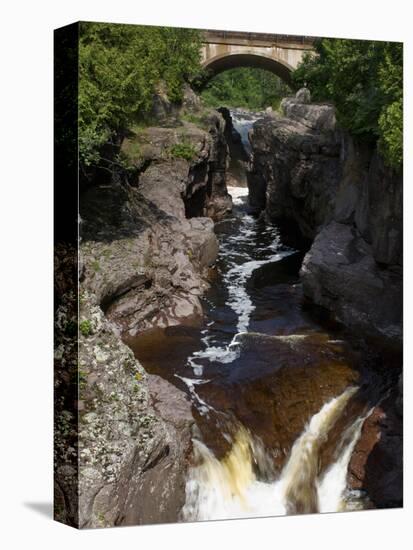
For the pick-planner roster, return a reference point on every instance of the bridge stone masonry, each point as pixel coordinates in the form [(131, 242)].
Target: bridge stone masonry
[(279, 53)]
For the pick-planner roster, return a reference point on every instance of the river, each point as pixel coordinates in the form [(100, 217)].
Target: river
[(278, 396)]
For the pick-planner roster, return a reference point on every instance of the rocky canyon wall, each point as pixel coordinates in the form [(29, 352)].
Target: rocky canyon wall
[(307, 171), (147, 244)]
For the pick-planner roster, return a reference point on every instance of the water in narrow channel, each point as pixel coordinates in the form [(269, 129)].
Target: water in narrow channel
[(275, 395)]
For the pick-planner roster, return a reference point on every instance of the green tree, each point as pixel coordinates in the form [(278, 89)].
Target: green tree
[(120, 67), (391, 116), (245, 87), (364, 79)]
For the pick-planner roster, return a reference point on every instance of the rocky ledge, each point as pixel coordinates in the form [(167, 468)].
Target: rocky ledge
[(340, 273)]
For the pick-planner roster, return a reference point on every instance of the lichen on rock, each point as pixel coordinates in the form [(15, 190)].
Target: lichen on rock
[(147, 244)]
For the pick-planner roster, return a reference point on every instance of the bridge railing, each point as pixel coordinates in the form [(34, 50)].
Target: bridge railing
[(211, 35)]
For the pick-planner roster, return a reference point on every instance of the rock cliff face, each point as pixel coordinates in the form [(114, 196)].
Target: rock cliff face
[(309, 173), (147, 245), (134, 433), (146, 248), (306, 171)]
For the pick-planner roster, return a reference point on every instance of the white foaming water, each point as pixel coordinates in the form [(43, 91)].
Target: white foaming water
[(237, 250), (202, 406), (242, 122), (238, 194), (221, 354), (237, 276), (239, 299), (332, 486), (229, 488)]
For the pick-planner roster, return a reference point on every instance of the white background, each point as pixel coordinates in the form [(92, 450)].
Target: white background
[(26, 269)]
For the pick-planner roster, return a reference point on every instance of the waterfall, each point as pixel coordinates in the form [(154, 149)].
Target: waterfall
[(332, 486), (243, 122), (300, 473), (230, 488)]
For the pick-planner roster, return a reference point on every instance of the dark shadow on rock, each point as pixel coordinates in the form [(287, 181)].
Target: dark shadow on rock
[(43, 508), (383, 479), (281, 271), (115, 211)]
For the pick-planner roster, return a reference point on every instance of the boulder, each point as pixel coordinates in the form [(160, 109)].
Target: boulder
[(321, 117), (340, 273), (303, 95), (158, 494), (295, 172)]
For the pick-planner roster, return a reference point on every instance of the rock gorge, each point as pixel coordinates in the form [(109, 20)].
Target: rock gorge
[(147, 255), (344, 200)]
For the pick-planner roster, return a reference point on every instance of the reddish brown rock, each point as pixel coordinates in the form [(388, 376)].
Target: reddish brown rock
[(376, 465)]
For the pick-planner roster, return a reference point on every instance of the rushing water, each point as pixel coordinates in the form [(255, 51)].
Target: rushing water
[(275, 396), (240, 256), (230, 488)]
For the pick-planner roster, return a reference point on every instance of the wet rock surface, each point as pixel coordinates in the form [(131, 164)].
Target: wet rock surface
[(376, 465), (340, 273)]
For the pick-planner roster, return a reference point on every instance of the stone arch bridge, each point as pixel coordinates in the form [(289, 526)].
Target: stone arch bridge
[(279, 53)]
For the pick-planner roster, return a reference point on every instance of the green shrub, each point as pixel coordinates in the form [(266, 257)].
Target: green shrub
[(85, 327), (183, 150), (199, 120), (120, 67)]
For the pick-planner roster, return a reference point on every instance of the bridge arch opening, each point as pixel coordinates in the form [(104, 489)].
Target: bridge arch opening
[(221, 63), (244, 87)]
